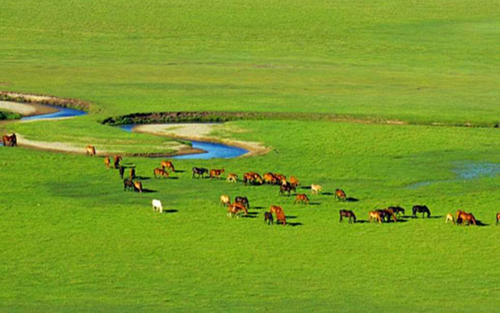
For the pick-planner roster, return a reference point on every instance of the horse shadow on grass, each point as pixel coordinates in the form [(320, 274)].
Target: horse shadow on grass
[(293, 224), (305, 187), (179, 171), (145, 190), (173, 177), (289, 217), (327, 193), (351, 199), (251, 215), (258, 207), (170, 211), (142, 177), (314, 203)]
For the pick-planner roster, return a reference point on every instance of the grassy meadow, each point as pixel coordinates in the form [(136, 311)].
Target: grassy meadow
[(71, 240)]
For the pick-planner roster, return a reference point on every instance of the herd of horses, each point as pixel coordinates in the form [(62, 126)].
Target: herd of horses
[(241, 204)]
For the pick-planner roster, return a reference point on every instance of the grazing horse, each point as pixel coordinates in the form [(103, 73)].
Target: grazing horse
[(315, 189), (121, 170), (160, 172), (396, 210), (279, 178), (232, 178), (225, 200), (157, 206), (132, 173), (128, 184), (450, 218), (286, 188), (90, 150), (280, 214), (138, 186), (375, 215), (235, 209), (302, 198), (463, 217), (294, 181), (242, 200), (347, 213), (252, 178), (269, 178), (498, 217), (340, 194), (107, 161), (168, 164), (215, 173), (116, 160), (199, 171), (268, 218), (421, 209), (9, 141), (388, 214)]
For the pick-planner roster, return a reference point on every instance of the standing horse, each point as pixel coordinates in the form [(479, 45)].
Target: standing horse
[(464, 217), (168, 164), (216, 173), (116, 160), (347, 213), (199, 171), (9, 141), (160, 172), (375, 215), (340, 194), (498, 217), (315, 189), (421, 209), (90, 150), (280, 214), (232, 178), (396, 210), (302, 198)]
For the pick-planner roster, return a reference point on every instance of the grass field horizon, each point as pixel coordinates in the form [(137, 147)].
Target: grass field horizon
[(71, 240)]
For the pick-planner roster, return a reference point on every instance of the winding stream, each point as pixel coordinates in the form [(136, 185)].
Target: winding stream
[(212, 150)]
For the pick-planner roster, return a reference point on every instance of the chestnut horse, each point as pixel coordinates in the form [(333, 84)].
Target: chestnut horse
[(90, 150), (269, 178), (498, 217), (280, 214), (160, 172), (168, 164), (107, 161), (463, 217), (216, 173), (347, 213), (232, 178), (302, 198), (9, 141), (375, 215), (138, 186), (340, 194), (235, 209), (252, 178), (294, 181)]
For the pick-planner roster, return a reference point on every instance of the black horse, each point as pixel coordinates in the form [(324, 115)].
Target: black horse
[(421, 209), (287, 188), (347, 213), (121, 170), (397, 210), (242, 200), (128, 184), (268, 218), (199, 171)]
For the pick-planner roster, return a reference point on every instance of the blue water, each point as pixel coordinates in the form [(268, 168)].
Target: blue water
[(63, 112), (212, 150)]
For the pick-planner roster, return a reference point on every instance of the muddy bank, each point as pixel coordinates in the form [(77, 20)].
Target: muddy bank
[(44, 100)]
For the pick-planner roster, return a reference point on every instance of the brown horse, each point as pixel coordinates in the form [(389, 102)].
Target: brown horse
[(128, 184), (340, 194), (302, 198), (269, 178), (498, 217), (138, 186), (232, 178), (168, 164), (116, 160), (235, 208), (375, 215), (464, 217), (216, 173), (242, 200), (294, 181), (90, 150), (347, 213), (107, 161), (9, 141), (160, 172), (280, 214), (252, 178), (286, 189), (388, 214), (132, 173)]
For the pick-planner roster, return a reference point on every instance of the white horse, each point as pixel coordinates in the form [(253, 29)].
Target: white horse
[(157, 206), (315, 189)]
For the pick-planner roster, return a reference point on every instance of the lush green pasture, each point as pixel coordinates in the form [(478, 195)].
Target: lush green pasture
[(416, 61), (73, 241)]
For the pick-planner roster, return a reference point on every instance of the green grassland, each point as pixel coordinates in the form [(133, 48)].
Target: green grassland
[(71, 240)]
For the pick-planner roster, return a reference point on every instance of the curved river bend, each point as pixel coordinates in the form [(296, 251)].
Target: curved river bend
[(212, 150)]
